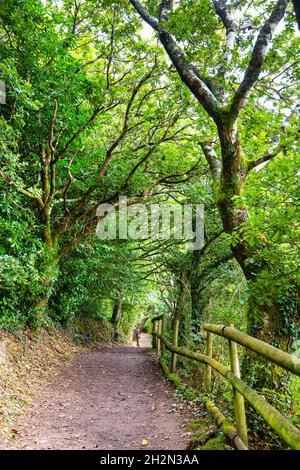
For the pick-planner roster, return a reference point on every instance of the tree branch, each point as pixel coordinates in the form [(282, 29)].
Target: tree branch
[(258, 57), (226, 17), (165, 7), (51, 134), (27, 193), (144, 14), (265, 158), (111, 52), (197, 254), (70, 181), (187, 72), (89, 62), (82, 128), (212, 160), (120, 138)]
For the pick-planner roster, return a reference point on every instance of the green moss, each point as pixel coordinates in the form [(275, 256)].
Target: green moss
[(174, 379), (198, 424), (201, 436), (216, 443), (227, 426), (202, 430)]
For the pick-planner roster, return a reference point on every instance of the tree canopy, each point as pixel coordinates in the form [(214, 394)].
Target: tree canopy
[(160, 102)]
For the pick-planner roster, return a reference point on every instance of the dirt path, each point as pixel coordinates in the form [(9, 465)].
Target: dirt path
[(112, 398)]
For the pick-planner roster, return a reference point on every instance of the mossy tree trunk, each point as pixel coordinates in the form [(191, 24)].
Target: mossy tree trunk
[(117, 313), (183, 310), (45, 206)]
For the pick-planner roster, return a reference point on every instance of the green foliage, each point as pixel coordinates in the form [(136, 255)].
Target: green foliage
[(273, 230), (52, 159), (90, 279), (94, 111), (22, 262)]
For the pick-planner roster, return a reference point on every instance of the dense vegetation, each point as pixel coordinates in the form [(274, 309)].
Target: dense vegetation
[(194, 102)]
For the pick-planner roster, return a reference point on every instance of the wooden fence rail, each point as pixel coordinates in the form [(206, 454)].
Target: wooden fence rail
[(282, 426), (287, 361)]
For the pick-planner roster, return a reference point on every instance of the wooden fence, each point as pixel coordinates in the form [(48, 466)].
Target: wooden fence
[(241, 391)]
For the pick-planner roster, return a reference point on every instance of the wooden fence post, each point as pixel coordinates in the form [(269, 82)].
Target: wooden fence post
[(158, 339), (154, 338), (175, 343), (208, 367), (284, 428), (163, 331), (238, 399)]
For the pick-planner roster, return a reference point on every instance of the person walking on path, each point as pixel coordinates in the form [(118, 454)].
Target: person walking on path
[(137, 335)]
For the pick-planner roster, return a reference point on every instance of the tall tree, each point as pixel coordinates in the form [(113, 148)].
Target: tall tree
[(235, 82), (94, 116)]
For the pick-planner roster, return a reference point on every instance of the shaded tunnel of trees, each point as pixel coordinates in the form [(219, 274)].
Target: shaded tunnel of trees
[(178, 103)]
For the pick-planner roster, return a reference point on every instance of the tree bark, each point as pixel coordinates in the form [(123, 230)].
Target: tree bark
[(183, 310), (117, 313), (232, 183)]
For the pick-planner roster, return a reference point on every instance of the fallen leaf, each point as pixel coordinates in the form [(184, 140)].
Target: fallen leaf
[(144, 442)]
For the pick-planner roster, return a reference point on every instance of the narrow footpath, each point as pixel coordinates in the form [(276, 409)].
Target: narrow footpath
[(111, 398)]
